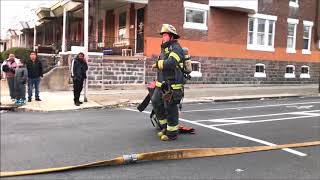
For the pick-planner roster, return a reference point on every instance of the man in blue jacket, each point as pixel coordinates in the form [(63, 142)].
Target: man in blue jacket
[(79, 69), (169, 84)]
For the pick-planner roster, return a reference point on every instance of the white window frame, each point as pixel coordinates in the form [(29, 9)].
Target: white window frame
[(197, 7), (260, 74), (295, 22), (294, 4), (309, 24), (290, 75), (255, 45), (305, 75), (196, 73)]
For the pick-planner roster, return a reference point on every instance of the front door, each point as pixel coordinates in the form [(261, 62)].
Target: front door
[(140, 31)]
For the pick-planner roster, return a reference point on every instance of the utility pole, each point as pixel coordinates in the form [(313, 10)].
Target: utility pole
[(86, 42)]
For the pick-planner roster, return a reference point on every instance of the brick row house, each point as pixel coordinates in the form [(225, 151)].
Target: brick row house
[(265, 41), (230, 41)]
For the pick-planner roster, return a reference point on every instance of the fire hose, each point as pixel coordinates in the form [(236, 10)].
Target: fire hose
[(174, 154)]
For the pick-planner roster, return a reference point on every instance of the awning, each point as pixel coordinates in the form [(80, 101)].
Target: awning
[(248, 6)]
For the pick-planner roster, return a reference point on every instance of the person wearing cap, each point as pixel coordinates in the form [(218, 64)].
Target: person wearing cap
[(169, 84)]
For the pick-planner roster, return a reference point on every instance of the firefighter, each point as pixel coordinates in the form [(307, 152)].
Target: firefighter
[(169, 84)]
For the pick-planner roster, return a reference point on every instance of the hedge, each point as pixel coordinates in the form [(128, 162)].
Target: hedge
[(21, 53)]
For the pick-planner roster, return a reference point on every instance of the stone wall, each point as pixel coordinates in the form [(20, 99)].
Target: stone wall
[(105, 72), (241, 71), (57, 79), (49, 61), (108, 72)]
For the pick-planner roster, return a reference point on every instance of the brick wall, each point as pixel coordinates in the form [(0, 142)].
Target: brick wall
[(281, 9), (170, 12), (103, 72), (227, 26), (241, 71), (217, 70)]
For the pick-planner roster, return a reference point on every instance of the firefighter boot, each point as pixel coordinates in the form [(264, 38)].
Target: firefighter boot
[(168, 138), (162, 132)]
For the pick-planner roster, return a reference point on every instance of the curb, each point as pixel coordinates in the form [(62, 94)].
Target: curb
[(133, 103)]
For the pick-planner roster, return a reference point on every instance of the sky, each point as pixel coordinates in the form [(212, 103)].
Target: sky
[(13, 11)]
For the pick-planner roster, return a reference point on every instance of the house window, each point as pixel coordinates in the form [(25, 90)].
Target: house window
[(261, 30), (294, 3), (195, 16), (292, 34), (250, 31), (122, 25), (260, 71), (290, 72), (196, 69), (307, 28), (305, 72), (100, 33)]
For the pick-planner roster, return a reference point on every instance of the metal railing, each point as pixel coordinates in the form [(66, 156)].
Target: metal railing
[(109, 46)]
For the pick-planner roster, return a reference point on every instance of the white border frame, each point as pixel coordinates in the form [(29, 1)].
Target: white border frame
[(294, 22), (197, 7), (305, 75), (255, 46), (294, 4), (196, 73), (290, 75), (310, 24), (260, 74)]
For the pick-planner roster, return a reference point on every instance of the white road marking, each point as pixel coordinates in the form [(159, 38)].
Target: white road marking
[(224, 121), (244, 137), (263, 115), (249, 107), (232, 133), (267, 120), (307, 113), (301, 107)]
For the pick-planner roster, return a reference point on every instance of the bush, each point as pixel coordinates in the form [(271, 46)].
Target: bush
[(1, 58), (21, 53)]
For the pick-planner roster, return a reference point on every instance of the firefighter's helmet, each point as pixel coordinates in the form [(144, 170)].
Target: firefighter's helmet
[(168, 28)]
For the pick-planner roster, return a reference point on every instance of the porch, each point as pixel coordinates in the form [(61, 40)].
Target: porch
[(116, 27)]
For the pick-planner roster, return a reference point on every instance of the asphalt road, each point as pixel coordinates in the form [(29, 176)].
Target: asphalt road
[(43, 140)]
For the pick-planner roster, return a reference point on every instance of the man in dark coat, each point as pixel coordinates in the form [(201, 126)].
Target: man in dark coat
[(79, 69), (35, 75)]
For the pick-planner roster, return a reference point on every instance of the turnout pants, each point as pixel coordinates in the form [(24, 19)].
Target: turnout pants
[(166, 112), (77, 88)]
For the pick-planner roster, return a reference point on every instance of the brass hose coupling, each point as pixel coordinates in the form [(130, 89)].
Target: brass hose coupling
[(131, 158)]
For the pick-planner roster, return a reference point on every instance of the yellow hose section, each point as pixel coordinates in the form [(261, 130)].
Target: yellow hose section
[(165, 155)]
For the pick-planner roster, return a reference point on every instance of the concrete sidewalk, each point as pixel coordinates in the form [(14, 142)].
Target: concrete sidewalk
[(63, 100)]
